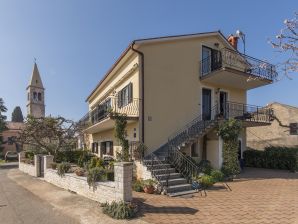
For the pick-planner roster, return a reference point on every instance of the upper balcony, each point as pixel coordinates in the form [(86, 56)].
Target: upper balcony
[(230, 68), (100, 118)]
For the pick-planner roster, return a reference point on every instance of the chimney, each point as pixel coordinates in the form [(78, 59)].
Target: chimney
[(233, 40)]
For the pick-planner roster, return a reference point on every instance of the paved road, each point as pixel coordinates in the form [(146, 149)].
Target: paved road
[(18, 205)]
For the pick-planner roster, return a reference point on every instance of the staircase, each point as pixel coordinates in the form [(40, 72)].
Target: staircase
[(172, 169)]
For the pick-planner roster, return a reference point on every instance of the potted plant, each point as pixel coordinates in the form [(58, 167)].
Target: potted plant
[(80, 172), (149, 186)]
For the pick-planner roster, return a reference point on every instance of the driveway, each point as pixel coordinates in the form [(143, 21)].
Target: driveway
[(258, 196), (18, 205), (28, 200)]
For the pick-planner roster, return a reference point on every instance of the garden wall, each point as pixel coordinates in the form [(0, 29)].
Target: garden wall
[(32, 170), (108, 191)]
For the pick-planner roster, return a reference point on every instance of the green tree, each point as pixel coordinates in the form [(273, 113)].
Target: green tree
[(3, 127), (229, 131), (17, 115)]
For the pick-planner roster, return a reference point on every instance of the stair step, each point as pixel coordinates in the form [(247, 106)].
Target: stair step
[(159, 166), (176, 194), (177, 181), (178, 188), (163, 171), (154, 162), (171, 176)]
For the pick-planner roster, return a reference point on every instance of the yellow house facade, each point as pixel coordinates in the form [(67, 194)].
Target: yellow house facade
[(172, 89)]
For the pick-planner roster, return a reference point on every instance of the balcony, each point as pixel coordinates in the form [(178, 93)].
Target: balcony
[(230, 68), (100, 118)]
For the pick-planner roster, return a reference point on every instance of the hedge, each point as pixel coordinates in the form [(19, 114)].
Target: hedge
[(68, 156), (273, 158)]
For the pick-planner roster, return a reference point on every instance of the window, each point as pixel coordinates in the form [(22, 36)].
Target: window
[(35, 96), (10, 140), (125, 96), (39, 96), (293, 128)]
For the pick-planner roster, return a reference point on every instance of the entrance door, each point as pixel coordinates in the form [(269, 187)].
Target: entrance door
[(223, 107), (206, 104)]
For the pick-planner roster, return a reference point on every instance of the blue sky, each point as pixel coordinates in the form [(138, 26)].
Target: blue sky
[(76, 42)]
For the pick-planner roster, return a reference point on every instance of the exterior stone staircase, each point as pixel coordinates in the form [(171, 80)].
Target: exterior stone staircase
[(163, 165)]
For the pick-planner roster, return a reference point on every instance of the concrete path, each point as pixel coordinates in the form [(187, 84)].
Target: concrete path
[(48, 203), (18, 205)]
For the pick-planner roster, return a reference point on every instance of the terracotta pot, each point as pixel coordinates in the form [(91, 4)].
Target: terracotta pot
[(149, 189)]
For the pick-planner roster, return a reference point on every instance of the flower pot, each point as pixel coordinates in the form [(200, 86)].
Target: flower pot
[(149, 189), (80, 172)]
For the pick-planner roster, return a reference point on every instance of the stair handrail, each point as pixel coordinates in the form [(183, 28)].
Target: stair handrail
[(186, 167), (152, 157), (185, 128)]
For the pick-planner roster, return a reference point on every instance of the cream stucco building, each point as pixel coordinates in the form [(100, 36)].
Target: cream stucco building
[(282, 132), (172, 90)]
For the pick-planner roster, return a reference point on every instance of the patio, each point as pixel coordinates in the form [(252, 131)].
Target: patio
[(257, 196)]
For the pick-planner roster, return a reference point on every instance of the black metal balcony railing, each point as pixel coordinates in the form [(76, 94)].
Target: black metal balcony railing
[(103, 110), (227, 58)]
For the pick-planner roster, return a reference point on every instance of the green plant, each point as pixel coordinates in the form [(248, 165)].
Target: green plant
[(94, 175), (139, 151), (138, 186), (120, 134), (272, 158), (229, 131), (95, 162), (206, 181), (63, 168), (110, 175), (149, 186), (84, 158), (54, 166), (29, 155), (217, 175), (119, 210), (205, 166)]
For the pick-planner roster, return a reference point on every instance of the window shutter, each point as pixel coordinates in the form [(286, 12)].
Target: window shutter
[(129, 92), (120, 99)]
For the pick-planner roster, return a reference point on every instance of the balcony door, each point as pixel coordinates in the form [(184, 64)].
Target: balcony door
[(223, 106), (206, 60), (206, 103)]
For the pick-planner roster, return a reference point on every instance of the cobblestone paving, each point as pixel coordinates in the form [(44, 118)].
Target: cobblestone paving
[(258, 196)]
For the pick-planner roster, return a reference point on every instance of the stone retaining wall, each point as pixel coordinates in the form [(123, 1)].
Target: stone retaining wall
[(32, 170), (107, 191)]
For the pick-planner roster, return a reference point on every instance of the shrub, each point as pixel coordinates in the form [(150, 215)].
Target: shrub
[(29, 155), (94, 175), (205, 166), (272, 158), (84, 158), (119, 210), (63, 168), (96, 162), (217, 175), (206, 181), (71, 156), (138, 186), (110, 175), (54, 166)]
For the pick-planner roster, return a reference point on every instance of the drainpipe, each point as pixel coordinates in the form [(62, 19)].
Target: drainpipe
[(142, 86)]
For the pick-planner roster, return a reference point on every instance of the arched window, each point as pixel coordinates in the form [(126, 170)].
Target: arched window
[(34, 95), (39, 96)]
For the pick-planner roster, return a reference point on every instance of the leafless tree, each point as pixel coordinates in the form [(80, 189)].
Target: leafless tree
[(49, 134), (286, 43)]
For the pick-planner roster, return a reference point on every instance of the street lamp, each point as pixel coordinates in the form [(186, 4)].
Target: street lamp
[(241, 35)]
